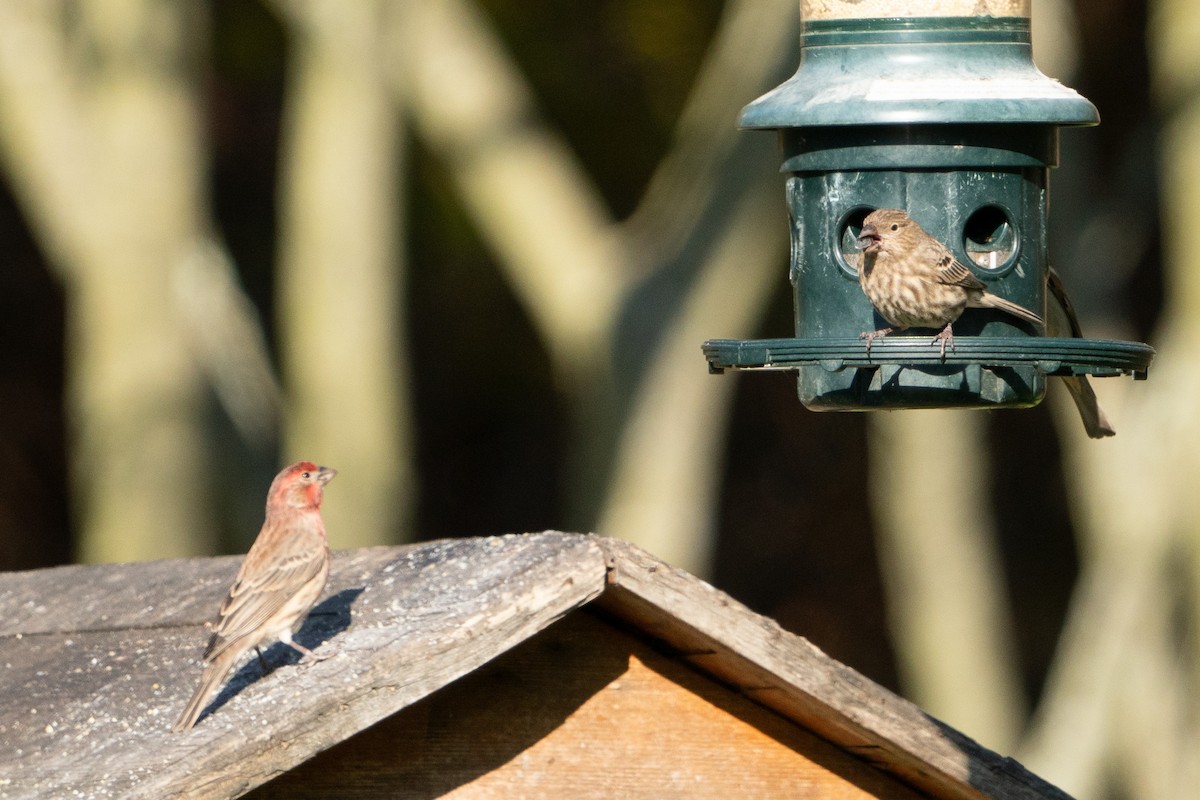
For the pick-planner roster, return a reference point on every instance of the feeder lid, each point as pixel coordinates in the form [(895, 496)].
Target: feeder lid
[(917, 70)]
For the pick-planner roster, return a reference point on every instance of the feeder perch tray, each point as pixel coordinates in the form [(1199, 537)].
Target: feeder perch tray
[(1061, 357)]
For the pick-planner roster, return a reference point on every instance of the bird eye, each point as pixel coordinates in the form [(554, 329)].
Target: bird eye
[(306, 475), (895, 226)]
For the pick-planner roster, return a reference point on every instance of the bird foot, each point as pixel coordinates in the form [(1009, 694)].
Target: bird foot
[(308, 656), (870, 336), (945, 337), (313, 658)]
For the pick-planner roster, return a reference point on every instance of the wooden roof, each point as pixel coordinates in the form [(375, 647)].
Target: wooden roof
[(98, 660)]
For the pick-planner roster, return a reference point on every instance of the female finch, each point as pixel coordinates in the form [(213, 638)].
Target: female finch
[(279, 581), (914, 281)]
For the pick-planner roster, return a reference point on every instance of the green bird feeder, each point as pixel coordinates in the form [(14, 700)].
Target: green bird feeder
[(947, 118)]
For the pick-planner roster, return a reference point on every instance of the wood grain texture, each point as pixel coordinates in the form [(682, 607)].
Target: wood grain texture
[(101, 659), (97, 661), (585, 711), (723, 638)]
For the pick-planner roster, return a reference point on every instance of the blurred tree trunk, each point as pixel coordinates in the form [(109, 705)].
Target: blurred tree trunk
[(949, 614), (666, 477), (713, 221), (341, 269), (533, 204), (1121, 714), (100, 134), (649, 447)]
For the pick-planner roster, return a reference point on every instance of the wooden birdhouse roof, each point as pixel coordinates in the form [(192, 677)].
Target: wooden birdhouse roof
[(97, 662)]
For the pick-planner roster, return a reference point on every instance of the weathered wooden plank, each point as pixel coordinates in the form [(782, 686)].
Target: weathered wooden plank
[(142, 594), (115, 596), (785, 672), (97, 661), (101, 699), (585, 710)]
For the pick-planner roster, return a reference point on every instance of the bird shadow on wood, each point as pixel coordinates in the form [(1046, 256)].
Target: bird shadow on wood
[(327, 619)]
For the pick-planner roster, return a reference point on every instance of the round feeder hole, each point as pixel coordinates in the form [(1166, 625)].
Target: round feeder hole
[(848, 249), (990, 239)]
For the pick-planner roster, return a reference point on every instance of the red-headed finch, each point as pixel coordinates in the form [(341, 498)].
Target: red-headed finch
[(1062, 321), (279, 581), (914, 281)]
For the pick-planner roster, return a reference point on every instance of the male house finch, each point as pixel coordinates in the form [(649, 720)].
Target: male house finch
[(279, 581), (914, 281)]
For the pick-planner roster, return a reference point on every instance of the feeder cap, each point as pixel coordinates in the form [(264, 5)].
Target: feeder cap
[(917, 70)]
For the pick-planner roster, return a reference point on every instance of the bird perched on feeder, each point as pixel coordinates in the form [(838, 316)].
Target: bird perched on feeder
[(914, 281), (280, 579)]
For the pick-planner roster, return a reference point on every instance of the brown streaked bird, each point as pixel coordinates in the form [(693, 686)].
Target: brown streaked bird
[(1062, 321), (914, 281), (279, 581)]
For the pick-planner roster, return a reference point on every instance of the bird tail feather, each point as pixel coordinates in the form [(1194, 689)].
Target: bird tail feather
[(214, 675), (992, 301)]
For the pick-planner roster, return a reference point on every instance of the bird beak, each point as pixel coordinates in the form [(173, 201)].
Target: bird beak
[(325, 475), (867, 236)]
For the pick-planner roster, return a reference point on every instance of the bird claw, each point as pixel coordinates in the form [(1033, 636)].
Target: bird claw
[(946, 336), (308, 656), (313, 658), (870, 336)]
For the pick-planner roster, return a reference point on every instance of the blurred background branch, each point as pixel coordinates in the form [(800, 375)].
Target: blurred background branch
[(101, 138), (583, 279), (342, 266), (466, 251)]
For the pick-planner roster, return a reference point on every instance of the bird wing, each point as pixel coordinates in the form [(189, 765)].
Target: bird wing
[(260, 591), (953, 273)]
